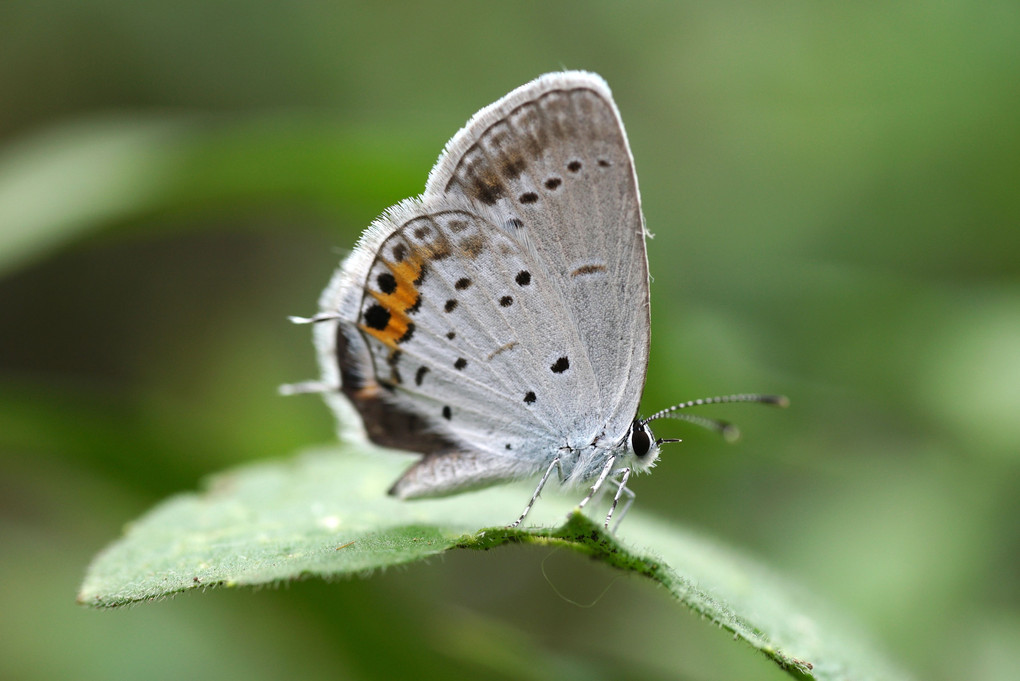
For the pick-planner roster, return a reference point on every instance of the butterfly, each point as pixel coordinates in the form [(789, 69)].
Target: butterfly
[(498, 324)]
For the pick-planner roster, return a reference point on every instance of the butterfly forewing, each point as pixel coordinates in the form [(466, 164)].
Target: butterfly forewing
[(554, 156)]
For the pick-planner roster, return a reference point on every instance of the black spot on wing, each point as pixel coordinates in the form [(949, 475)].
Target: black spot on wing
[(377, 317), (387, 282)]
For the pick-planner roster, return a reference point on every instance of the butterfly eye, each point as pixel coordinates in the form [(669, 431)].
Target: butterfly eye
[(639, 440)]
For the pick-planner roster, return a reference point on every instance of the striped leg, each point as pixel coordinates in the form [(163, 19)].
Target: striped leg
[(623, 489), (598, 483), (538, 490)]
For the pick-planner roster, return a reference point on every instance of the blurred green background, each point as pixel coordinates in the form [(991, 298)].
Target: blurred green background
[(835, 192)]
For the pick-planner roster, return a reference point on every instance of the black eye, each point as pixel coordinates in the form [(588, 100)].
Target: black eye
[(639, 440)]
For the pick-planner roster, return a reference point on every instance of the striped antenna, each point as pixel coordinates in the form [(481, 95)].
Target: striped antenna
[(729, 431)]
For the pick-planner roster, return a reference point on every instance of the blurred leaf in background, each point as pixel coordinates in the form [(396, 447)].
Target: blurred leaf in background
[(833, 193)]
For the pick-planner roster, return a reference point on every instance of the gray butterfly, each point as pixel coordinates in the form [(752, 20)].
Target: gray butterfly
[(499, 323)]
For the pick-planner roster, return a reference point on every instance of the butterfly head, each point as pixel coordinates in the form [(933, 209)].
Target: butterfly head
[(641, 446)]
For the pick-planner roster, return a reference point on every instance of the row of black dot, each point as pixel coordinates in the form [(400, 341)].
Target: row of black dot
[(553, 183), (558, 367), (455, 226), (377, 317), (523, 278)]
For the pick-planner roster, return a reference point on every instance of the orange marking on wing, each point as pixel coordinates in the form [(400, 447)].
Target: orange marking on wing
[(394, 331), (407, 269), (402, 299), (406, 272)]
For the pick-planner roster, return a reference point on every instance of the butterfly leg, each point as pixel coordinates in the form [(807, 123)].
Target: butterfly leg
[(621, 491), (538, 490), (600, 495), (598, 483)]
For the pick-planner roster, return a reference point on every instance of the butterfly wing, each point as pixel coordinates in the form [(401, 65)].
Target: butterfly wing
[(504, 315), (553, 154)]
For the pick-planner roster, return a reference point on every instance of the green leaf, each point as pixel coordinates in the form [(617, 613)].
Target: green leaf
[(325, 513)]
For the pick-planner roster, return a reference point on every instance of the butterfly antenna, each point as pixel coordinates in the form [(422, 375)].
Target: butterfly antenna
[(729, 431)]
